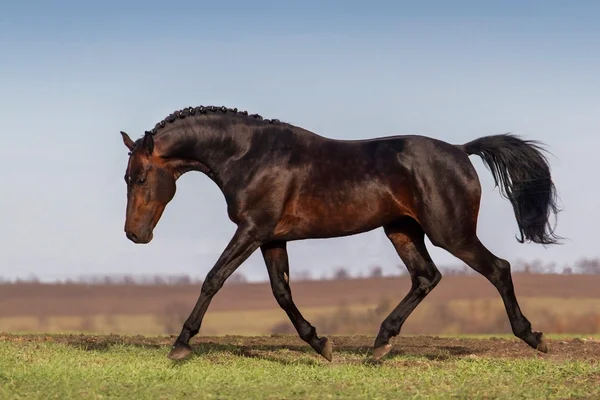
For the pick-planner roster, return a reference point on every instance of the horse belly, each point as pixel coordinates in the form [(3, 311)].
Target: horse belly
[(331, 213)]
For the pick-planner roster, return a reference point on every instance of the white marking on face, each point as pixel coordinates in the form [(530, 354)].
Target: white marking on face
[(285, 277)]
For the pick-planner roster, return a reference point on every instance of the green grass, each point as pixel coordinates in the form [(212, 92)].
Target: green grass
[(52, 370)]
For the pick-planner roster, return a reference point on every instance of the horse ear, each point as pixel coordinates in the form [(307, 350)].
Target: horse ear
[(127, 140), (148, 142)]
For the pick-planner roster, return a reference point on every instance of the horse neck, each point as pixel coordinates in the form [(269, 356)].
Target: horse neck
[(207, 145)]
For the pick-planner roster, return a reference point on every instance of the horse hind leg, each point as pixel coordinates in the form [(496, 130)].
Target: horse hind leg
[(454, 230), (497, 271), (449, 218), (408, 239)]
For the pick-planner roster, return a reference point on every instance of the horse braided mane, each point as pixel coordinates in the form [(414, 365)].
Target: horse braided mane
[(191, 111)]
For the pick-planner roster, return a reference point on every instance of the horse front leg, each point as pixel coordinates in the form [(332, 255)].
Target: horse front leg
[(276, 259), (243, 243)]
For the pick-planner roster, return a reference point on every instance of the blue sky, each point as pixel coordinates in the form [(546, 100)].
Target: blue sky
[(72, 75)]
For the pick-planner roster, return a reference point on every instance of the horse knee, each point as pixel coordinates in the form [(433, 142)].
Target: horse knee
[(424, 284), (283, 298), (210, 287), (501, 272), (501, 264), (437, 277)]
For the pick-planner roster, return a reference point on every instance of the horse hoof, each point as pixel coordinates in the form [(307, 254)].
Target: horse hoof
[(380, 352), (542, 345), (327, 351), (180, 352)]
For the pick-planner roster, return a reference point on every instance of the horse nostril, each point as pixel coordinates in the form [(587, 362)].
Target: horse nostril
[(132, 236)]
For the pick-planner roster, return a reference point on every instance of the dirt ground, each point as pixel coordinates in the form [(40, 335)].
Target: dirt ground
[(431, 347)]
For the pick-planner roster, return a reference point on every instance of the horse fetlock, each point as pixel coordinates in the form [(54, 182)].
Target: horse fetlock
[(389, 328), (307, 333), (523, 331), (534, 339)]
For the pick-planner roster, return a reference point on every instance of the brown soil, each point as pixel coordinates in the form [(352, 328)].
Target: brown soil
[(31, 299), (433, 348)]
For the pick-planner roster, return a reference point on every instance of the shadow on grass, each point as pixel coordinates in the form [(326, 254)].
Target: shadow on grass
[(304, 354), (284, 349)]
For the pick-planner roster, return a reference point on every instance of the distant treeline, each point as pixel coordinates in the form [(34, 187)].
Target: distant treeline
[(583, 266)]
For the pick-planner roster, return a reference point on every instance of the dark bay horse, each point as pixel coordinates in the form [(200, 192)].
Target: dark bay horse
[(284, 183)]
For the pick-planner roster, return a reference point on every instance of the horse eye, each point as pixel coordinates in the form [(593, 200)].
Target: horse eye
[(141, 181)]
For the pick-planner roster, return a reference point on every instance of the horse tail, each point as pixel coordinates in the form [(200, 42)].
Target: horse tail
[(522, 173)]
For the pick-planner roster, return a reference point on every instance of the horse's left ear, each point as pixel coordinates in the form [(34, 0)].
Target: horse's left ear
[(148, 142), (127, 140)]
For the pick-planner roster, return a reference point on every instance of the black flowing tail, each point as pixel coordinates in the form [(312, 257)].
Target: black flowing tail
[(522, 174)]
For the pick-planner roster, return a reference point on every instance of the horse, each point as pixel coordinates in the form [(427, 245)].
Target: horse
[(283, 183)]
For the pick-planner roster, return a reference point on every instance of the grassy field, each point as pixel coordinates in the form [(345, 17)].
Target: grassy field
[(39, 361), (283, 367)]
